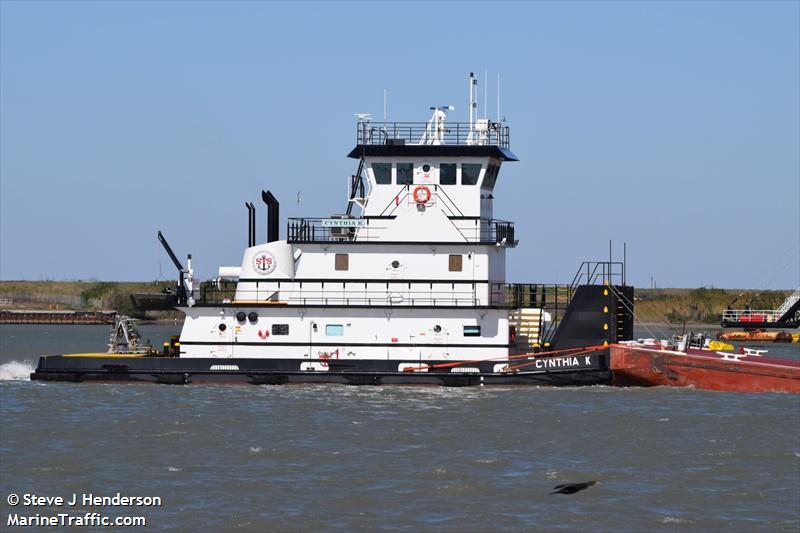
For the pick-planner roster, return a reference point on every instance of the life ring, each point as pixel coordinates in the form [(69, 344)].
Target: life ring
[(422, 194)]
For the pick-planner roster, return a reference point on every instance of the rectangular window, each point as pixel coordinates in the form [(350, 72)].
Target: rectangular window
[(280, 329), (470, 173), (447, 174), (472, 331), (342, 262), (383, 173), (334, 330), (405, 173), (456, 263)]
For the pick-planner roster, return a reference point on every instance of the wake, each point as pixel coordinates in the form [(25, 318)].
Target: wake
[(16, 371)]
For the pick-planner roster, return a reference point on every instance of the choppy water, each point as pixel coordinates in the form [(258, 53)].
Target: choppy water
[(312, 458)]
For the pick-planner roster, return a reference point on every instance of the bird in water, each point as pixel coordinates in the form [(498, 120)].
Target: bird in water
[(572, 488)]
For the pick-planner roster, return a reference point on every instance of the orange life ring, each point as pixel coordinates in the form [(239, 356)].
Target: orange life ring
[(422, 194)]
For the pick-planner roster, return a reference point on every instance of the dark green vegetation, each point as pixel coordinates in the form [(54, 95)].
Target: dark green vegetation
[(702, 306), (699, 306), (79, 295)]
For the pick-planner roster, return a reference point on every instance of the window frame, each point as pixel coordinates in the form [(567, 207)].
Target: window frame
[(375, 175), (455, 173), (410, 166), (477, 178), (472, 330), (340, 330)]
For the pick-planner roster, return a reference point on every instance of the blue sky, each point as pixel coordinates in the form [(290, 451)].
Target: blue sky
[(673, 126)]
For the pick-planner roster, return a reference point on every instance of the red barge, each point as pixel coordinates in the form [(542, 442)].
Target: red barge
[(651, 364)]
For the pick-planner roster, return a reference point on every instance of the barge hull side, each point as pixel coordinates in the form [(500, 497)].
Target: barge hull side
[(645, 367)]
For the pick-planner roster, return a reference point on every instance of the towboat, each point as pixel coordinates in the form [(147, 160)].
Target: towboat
[(406, 285)]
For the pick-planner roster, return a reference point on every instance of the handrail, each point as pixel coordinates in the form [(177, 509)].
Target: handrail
[(440, 191), (395, 201), (395, 295), (453, 133), (789, 302), (307, 230), (591, 271), (751, 315), (763, 316)]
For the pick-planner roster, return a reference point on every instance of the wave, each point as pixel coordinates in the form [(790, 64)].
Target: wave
[(16, 371)]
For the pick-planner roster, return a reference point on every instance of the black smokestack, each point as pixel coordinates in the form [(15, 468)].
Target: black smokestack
[(273, 217)]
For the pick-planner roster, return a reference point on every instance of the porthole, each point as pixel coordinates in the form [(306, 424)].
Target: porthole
[(395, 264), (426, 168), (223, 327), (253, 317), (437, 328), (240, 316)]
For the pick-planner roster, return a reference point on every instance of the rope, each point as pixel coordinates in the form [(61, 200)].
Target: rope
[(507, 357), (621, 297), (775, 275)]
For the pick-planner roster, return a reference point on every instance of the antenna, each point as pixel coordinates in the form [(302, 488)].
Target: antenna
[(384, 105), (498, 98), (485, 93)]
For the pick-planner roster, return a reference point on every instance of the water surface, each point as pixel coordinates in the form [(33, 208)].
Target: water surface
[(330, 457)]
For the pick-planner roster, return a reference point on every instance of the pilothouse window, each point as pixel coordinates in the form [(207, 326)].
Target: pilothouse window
[(383, 173), (470, 173), (405, 173), (447, 174)]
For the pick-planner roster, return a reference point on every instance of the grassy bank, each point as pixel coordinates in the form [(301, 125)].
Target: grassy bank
[(79, 295), (699, 306), (676, 306)]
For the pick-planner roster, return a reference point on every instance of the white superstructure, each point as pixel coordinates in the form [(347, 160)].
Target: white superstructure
[(417, 274)]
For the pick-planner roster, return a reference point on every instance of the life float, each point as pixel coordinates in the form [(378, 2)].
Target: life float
[(422, 194)]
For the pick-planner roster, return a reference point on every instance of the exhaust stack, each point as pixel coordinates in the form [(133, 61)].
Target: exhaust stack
[(251, 224), (273, 218)]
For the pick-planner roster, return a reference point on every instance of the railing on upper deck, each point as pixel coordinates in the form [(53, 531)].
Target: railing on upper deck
[(327, 230), (599, 272), (394, 294), (452, 133)]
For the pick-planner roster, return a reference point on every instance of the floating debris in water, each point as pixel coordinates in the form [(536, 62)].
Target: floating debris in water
[(572, 488)]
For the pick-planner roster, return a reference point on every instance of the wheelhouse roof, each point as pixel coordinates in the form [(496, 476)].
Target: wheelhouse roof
[(431, 150)]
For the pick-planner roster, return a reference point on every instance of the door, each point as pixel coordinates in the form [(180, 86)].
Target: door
[(223, 332)]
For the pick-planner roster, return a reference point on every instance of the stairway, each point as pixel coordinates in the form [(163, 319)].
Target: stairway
[(790, 301), (528, 324)]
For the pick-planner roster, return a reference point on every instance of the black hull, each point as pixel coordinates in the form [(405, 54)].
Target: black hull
[(589, 370)]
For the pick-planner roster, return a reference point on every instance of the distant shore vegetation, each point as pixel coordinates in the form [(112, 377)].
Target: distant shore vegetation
[(81, 295), (703, 305)]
